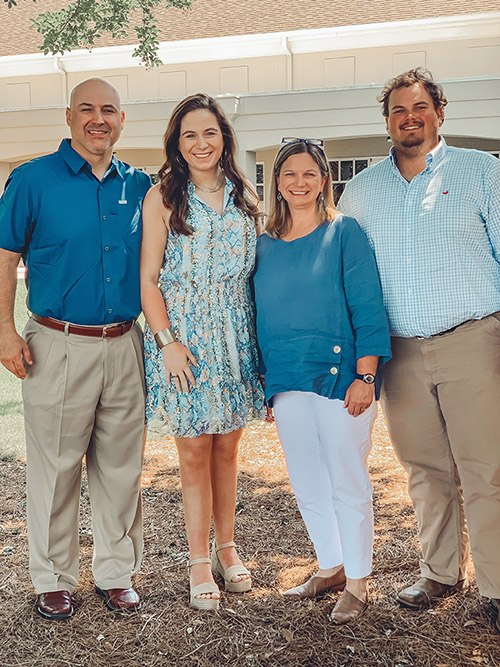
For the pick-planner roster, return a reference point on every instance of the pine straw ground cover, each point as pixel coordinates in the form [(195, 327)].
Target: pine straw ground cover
[(258, 628)]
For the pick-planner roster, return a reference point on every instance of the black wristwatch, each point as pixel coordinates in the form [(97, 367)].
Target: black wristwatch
[(367, 378)]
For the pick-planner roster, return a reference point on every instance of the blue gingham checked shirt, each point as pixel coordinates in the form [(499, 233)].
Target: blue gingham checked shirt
[(436, 239)]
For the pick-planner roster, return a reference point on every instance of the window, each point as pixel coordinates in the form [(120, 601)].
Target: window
[(260, 181), (152, 171), (343, 170)]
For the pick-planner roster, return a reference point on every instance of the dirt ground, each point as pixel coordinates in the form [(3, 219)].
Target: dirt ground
[(256, 628)]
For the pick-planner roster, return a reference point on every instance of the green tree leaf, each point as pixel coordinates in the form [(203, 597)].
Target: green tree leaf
[(82, 22)]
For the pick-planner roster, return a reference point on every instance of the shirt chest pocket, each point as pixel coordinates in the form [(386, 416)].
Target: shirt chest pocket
[(450, 213), (124, 223)]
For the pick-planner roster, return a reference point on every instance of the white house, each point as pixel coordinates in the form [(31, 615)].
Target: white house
[(280, 68)]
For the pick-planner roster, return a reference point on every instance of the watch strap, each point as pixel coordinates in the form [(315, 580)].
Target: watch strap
[(367, 378)]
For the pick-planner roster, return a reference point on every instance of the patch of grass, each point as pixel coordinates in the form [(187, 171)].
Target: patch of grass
[(11, 406)]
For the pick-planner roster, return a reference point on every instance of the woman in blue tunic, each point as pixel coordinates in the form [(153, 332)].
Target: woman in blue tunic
[(322, 332), (198, 251)]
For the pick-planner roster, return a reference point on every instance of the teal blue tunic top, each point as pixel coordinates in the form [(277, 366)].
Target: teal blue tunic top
[(319, 309)]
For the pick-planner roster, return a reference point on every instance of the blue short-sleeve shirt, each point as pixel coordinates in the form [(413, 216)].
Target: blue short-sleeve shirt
[(80, 237)]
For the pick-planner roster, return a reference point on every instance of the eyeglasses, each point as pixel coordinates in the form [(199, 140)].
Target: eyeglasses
[(319, 143)]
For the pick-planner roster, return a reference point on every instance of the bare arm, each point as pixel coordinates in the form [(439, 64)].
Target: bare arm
[(14, 352), (154, 239)]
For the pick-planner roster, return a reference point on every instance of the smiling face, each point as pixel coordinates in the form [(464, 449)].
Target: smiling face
[(200, 141), (413, 120), (95, 119), (300, 181)]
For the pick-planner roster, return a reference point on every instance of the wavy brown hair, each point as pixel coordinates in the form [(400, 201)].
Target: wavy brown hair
[(174, 173), (411, 77), (279, 221)]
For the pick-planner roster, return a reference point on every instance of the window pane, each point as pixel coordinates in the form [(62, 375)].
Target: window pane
[(359, 165), (346, 170), (338, 189), (259, 173), (334, 165), (260, 192)]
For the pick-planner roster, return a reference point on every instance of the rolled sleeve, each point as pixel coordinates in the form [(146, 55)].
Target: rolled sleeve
[(364, 294)]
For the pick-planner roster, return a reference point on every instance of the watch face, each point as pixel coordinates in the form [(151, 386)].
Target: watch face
[(369, 378)]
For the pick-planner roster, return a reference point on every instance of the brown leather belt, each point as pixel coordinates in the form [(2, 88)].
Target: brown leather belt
[(105, 331)]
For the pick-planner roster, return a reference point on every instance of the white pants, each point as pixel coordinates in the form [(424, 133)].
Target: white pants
[(326, 451)]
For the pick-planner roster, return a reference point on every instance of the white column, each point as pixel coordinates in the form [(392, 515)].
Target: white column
[(4, 174), (246, 160)]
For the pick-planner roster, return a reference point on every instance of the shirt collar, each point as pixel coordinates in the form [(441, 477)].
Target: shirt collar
[(76, 162), (432, 159)]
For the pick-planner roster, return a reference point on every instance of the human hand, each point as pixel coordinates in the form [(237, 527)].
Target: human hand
[(358, 397), (14, 354), (269, 411), (177, 358)]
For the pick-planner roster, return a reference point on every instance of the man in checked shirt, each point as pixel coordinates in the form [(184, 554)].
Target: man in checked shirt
[(432, 216)]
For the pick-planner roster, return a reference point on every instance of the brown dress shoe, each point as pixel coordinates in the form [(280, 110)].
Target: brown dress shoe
[(425, 592), (120, 599), (317, 585), (56, 605), (348, 608), (495, 612)]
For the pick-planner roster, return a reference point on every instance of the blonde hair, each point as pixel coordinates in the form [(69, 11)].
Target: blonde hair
[(279, 222)]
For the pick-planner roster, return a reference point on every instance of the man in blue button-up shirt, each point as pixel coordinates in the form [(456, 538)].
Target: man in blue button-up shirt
[(432, 215), (75, 218)]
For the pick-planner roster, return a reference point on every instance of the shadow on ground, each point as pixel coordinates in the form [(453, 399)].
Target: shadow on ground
[(257, 628)]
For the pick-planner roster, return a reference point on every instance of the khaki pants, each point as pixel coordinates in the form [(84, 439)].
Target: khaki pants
[(441, 397), (84, 396)]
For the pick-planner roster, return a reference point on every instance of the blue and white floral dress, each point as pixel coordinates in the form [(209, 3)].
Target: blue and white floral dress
[(205, 284)]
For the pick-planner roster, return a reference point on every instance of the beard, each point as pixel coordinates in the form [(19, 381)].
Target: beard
[(410, 142)]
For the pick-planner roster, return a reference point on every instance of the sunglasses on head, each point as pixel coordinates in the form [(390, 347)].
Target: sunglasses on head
[(319, 143)]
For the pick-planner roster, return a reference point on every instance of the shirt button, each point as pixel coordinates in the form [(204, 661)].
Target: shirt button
[(334, 370), (336, 349), (108, 280), (408, 261), (110, 310), (106, 248), (410, 291), (104, 217), (410, 202)]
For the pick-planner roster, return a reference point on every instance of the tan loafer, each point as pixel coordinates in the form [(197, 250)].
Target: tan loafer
[(348, 608), (318, 585)]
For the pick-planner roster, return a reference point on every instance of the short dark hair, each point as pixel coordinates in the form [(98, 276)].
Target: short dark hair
[(409, 78)]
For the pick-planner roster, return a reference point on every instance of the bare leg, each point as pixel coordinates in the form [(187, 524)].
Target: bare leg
[(224, 473), (358, 588), (194, 459)]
